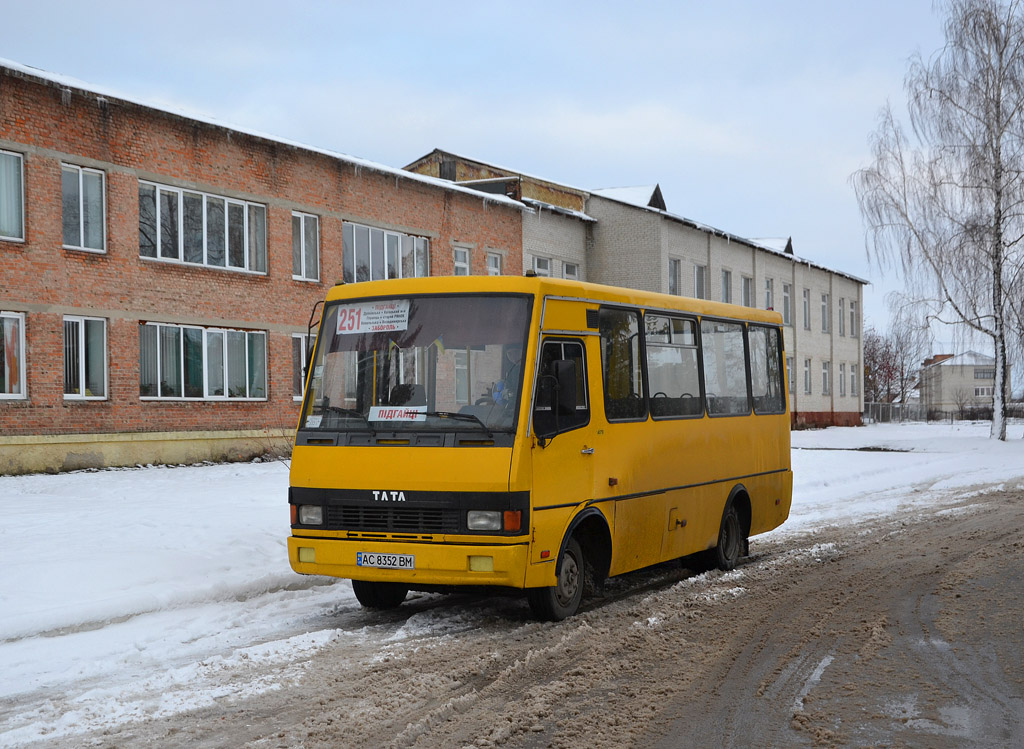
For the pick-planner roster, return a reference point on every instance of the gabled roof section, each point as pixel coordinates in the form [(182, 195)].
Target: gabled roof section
[(966, 359), (644, 196), (69, 84), (778, 244)]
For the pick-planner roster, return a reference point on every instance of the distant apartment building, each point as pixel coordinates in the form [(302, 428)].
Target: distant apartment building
[(954, 385), (628, 237), (158, 271)]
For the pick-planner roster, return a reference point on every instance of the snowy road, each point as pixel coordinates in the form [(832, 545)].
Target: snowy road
[(136, 594)]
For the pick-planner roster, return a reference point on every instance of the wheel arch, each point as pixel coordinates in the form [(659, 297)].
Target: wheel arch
[(591, 531), (739, 498)]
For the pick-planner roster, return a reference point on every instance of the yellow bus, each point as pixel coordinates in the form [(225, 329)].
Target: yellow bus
[(534, 434)]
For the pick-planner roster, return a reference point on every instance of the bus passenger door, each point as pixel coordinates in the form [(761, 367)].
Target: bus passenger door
[(563, 469)]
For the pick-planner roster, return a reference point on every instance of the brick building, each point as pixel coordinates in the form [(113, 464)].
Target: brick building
[(157, 271), (628, 237)]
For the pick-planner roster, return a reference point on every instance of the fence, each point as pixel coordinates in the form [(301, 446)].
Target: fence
[(884, 413)]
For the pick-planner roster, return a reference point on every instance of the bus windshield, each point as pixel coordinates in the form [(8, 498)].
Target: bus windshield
[(419, 363)]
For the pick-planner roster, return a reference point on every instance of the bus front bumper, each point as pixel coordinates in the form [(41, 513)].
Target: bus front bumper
[(433, 564)]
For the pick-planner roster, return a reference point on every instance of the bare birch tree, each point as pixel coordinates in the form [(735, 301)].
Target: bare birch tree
[(945, 202)]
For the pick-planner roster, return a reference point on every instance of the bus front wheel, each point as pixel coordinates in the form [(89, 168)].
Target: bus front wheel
[(561, 600), (730, 541), (379, 595)]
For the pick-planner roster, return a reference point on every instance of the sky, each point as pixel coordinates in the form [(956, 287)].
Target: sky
[(750, 115)]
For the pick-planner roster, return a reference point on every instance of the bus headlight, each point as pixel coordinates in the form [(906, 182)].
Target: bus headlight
[(483, 520), (311, 515)]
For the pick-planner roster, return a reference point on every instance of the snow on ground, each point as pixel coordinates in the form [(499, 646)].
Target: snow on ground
[(150, 591)]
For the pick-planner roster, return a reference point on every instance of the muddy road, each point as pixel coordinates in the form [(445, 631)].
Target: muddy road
[(901, 631)]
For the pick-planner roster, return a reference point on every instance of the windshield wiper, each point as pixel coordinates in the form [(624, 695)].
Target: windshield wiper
[(462, 417)]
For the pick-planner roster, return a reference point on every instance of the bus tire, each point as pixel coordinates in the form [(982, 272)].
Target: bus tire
[(560, 601), (379, 595), (731, 543)]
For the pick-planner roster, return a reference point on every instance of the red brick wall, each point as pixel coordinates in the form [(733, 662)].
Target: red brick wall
[(129, 142)]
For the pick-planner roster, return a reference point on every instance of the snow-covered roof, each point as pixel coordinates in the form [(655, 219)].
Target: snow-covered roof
[(102, 92), (728, 236), (640, 195), (779, 244), (540, 205), (966, 359)]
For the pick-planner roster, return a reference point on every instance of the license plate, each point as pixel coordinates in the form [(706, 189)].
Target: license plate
[(386, 561)]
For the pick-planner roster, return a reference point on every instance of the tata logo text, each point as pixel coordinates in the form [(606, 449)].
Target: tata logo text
[(387, 496)]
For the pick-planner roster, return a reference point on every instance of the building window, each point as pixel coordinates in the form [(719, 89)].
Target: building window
[(493, 263), (769, 293), (842, 316), (571, 271), (790, 363), (984, 374), (826, 313), (675, 276), (984, 392), (826, 378), (807, 376), (727, 286), (461, 376), (542, 266), (12, 355), (700, 274), (176, 361), (301, 349), (853, 380), (853, 319), (371, 254), (787, 304), (83, 208), (461, 261), (747, 291), (185, 226), (807, 309), (12, 196), (842, 379), (305, 247), (85, 358)]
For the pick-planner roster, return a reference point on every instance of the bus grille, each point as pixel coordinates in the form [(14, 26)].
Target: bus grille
[(392, 519)]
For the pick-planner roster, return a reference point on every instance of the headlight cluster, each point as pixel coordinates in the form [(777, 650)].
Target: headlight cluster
[(494, 520)]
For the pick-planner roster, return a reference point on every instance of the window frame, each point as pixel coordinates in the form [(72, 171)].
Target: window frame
[(747, 291), (842, 317), (545, 273), (853, 319), (204, 348), (20, 318), (418, 249), (574, 275), (807, 308), (495, 261), (769, 293), (305, 352), (81, 171), (726, 285), (675, 276), (826, 312), (582, 393), (826, 378), (787, 304), (842, 379), (460, 264), (81, 343), (700, 281), (808, 384), (21, 204), (250, 255), (303, 274), (637, 367), (742, 325)]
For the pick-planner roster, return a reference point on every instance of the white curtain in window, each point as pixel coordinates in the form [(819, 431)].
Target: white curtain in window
[(11, 219)]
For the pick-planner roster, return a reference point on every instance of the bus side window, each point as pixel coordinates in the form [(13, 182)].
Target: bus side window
[(766, 370), (672, 369), (622, 364), (545, 421), (725, 368)]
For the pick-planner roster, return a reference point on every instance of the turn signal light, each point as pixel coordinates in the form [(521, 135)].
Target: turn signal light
[(513, 520)]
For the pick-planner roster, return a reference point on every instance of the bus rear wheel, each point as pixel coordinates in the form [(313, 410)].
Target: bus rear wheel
[(731, 543), (379, 595), (562, 600)]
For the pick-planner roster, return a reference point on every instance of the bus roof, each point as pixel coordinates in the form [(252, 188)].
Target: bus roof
[(540, 286)]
